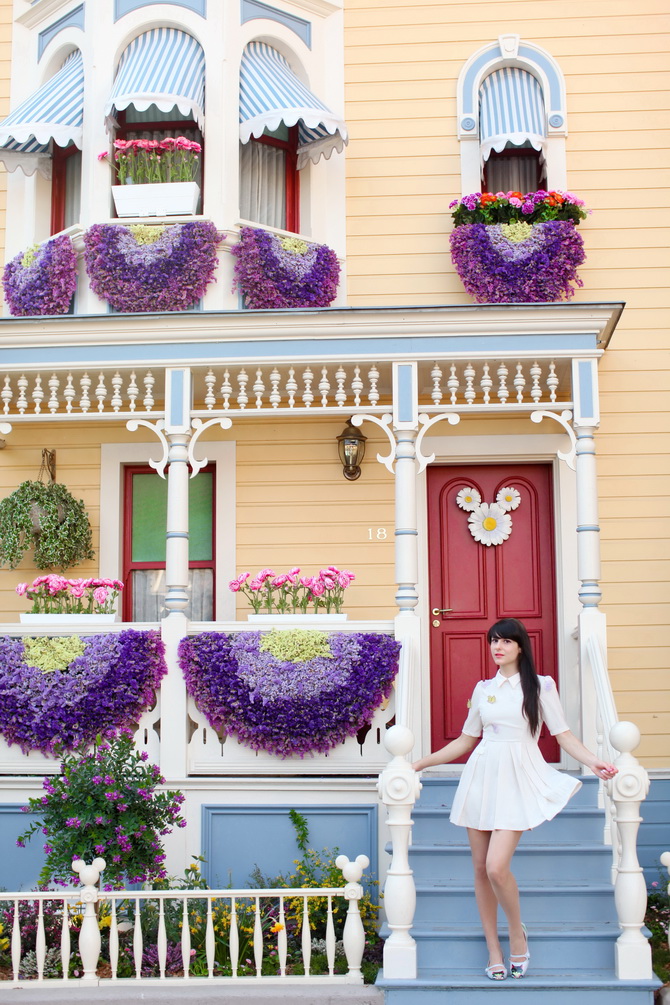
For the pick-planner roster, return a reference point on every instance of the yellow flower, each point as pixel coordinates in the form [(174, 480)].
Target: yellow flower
[(278, 927)]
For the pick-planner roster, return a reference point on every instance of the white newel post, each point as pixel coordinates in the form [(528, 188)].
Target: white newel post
[(89, 934), (353, 936), (629, 788)]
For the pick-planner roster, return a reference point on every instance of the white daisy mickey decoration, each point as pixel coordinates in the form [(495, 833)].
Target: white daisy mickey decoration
[(489, 523), (508, 498), (468, 499)]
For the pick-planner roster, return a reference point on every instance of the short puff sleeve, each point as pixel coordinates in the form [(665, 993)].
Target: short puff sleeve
[(473, 723), (552, 711)]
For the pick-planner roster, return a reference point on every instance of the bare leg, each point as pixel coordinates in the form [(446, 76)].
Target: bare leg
[(501, 848), (487, 901)]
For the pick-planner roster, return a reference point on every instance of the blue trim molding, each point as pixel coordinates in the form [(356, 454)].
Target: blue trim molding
[(74, 19), (250, 9), (122, 7), (237, 838)]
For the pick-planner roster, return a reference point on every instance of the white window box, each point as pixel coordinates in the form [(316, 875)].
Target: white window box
[(175, 198)]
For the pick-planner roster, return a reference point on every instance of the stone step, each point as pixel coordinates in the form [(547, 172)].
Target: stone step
[(532, 863), (588, 902), (439, 790), (432, 826), (557, 988)]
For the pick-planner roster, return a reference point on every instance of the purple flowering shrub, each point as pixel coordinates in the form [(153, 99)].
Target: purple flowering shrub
[(288, 708), (105, 803), (42, 280), (113, 681), (151, 268), (276, 272), (497, 270)]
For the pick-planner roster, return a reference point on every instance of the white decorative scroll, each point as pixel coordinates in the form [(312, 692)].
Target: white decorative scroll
[(384, 424), (224, 422), (453, 418), (564, 420), (157, 428)]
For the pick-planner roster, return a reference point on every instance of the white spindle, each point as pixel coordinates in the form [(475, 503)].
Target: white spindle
[(503, 390), (210, 397), (470, 393), (117, 384), (324, 386), (340, 393), (519, 383), (138, 947), (85, 385), (259, 388), (536, 389), (373, 377), (209, 939), (22, 402), (353, 936), (436, 376), (185, 941), (133, 391), (149, 381), (282, 940), (275, 393), (113, 938), (242, 396), (552, 381), (54, 384), (40, 941), (453, 384), (16, 941), (258, 938), (6, 394), (89, 933), (486, 384), (226, 389), (330, 938), (101, 392), (234, 937), (357, 386), (291, 387), (307, 394), (65, 942), (38, 394), (306, 940), (161, 940)]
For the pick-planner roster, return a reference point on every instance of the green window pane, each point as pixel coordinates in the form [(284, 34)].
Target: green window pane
[(149, 518)]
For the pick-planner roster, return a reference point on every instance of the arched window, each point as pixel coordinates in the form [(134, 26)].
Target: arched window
[(511, 119)]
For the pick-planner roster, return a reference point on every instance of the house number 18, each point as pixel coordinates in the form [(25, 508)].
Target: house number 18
[(376, 533)]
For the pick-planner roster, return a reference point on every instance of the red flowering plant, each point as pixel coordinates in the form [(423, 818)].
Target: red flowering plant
[(291, 593), (54, 594), (516, 248), (173, 159)]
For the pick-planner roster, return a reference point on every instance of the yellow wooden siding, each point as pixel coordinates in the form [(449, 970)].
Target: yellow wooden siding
[(403, 164), (6, 15)]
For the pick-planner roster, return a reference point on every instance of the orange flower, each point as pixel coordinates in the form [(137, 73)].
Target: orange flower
[(276, 928)]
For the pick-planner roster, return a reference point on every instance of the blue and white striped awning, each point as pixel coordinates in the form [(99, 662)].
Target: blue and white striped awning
[(163, 67), (511, 110), (271, 93), (54, 112)]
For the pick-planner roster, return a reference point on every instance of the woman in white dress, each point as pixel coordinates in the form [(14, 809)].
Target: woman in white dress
[(507, 787)]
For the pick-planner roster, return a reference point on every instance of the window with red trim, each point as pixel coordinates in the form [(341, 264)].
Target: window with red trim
[(269, 179), (144, 526), (65, 187)]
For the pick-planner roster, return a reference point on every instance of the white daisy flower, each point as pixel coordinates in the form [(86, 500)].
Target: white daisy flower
[(508, 498), (490, 524), (468, 499)]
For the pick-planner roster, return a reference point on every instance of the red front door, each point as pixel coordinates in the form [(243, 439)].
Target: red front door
[(475, 584)]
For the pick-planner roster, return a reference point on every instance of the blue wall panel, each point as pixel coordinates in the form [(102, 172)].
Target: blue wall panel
[(19, 867), (236, 838), (654, 836)]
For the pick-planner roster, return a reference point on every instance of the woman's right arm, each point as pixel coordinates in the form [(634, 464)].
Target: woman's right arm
[(457, 748)]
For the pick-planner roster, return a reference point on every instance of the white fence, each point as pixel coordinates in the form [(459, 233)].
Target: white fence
[(246, 915)]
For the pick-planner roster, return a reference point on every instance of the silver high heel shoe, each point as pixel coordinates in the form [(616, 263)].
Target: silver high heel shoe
[(519, 965)]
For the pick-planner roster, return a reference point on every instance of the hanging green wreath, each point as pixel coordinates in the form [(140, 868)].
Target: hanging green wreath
[(46, 517)]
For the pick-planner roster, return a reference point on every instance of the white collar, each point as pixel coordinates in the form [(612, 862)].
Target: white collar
[(501, 679)]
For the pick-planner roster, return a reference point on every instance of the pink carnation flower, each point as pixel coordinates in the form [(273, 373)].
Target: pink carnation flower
[(22, 589)]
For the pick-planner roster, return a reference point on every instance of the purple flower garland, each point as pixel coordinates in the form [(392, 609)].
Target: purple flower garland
[(288, 708), (108, 686), (168, 274), (42, 282), (541, 269), (276, 272)]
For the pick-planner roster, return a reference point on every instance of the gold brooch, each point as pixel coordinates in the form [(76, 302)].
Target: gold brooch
[(469, 703), (491, 698)]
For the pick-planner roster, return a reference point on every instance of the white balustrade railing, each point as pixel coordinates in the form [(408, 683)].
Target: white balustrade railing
[(247, 914), (114, 391)]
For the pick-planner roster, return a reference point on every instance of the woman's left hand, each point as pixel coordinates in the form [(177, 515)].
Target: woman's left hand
[(604, 770)]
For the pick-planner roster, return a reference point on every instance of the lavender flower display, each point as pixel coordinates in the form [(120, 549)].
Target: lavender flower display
[(288, 708), (151, 268), (276, 272), (42, 280), (498, 264), (107, 686)]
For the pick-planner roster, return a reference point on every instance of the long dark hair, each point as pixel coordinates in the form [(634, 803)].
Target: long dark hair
[(510, 628)]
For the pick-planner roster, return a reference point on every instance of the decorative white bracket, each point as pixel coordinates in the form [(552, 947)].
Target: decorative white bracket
[(157, 428), (384, 424), (563, 420), (453, 418), (199, 426)]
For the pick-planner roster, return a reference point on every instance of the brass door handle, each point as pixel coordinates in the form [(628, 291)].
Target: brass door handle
[(445, 610)]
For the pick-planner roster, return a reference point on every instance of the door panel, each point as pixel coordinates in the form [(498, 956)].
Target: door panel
[(475, 584)]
